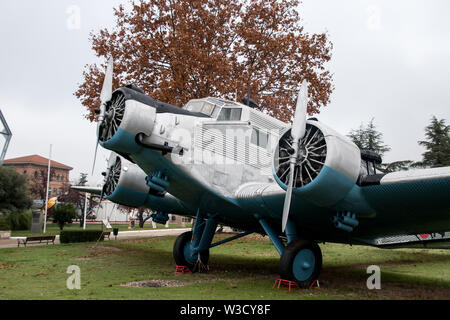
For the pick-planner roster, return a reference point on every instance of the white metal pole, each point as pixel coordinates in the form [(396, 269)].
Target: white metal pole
[(47, 191), (85, 210)]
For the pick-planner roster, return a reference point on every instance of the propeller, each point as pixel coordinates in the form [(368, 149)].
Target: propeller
[(105, 96), (298, 132)]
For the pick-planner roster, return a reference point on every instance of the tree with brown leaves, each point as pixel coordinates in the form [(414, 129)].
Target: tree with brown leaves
[(189, 49)]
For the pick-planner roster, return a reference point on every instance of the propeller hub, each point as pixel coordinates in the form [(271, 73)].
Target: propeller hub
[(302, 154), (109, 115)]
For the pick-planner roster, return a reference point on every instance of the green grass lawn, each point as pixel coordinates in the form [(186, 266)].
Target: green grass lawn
[(53, 229), (240, 270)]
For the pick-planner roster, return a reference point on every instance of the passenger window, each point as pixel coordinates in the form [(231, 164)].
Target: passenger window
[(236, 114), (261, 139), (230, 114)]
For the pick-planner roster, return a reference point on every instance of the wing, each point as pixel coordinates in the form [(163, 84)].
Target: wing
[(92, 190), (401, 203), (410, 202)]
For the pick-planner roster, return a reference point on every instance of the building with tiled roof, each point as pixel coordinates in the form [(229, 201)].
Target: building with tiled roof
[(35, 167)]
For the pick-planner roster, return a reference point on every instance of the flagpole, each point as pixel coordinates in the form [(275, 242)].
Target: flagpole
[(48, 184), (85, 210)]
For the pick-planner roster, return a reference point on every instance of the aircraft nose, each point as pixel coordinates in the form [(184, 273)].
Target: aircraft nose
[(126, 116)]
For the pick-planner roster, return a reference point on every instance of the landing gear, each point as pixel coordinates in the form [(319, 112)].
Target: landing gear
[(185, 254), (301, 262), (191, 249)]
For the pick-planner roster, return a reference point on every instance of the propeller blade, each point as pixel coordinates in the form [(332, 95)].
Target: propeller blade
[(105, 96), (95, 157), (299, 123), (298, 132), (287, 200)]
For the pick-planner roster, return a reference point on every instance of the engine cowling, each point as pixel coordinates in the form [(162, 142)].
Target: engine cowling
[(125, 183), (327, 166), (128, 113)]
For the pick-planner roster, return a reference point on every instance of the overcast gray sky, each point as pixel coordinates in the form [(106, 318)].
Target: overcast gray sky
[(390, 62)]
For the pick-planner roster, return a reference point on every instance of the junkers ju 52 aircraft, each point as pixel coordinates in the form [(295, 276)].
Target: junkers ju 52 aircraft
[(228, 163)]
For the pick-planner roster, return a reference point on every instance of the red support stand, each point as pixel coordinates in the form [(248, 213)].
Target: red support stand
[(182, 270), (291, 285), (315, 285), (281, 283)]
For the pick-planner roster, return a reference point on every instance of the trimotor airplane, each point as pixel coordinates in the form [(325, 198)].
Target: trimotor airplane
[(231, 164)]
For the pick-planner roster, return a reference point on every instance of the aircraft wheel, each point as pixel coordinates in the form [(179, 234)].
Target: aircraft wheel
[(301, 262), (184, 254)]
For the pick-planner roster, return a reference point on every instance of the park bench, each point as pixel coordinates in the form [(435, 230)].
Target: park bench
[(40, 239), (107, 234)]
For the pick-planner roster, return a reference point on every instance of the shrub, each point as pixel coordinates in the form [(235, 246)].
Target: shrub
[(19, 221), (16, 220), (14, 195), (64, 213), (4, 224), (74, 236)]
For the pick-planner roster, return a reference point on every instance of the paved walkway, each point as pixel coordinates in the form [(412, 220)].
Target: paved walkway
[(12, 243)]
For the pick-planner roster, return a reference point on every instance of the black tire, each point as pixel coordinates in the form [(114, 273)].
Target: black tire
[(286, 267), (178, 252)]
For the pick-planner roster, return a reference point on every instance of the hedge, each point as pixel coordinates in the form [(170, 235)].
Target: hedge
[(16, 221), (4, 224), (74, 236)]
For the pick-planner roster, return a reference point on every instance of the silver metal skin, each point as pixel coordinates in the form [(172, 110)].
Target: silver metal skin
[(221, 156), (138, 118), (217, 153), (343, 155)]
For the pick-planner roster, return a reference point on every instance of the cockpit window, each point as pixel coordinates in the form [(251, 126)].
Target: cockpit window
[(194, 106), (230, 114), (216, 112), (200, 107), (208, 109)]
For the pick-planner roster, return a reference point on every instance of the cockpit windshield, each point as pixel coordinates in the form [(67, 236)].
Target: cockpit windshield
[(219, 109), (204, 107)]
